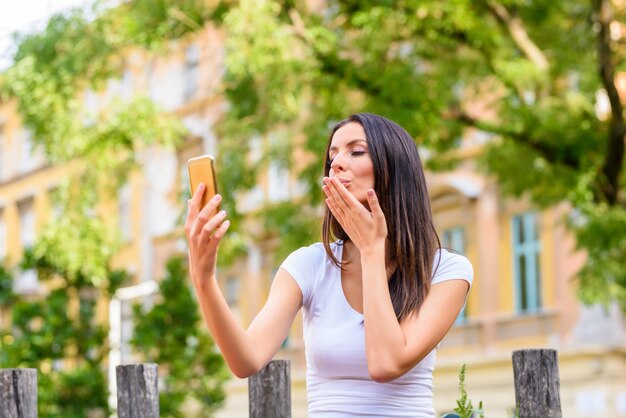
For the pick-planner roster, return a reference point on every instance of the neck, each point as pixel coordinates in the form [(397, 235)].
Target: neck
[(351, 253)]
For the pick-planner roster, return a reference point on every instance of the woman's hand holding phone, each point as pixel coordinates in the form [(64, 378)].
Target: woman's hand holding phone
[(204, 229)]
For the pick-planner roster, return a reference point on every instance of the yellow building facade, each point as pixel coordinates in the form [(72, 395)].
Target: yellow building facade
[(524, 260)]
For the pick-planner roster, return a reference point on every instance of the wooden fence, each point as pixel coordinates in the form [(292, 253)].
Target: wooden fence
[(535, 373)]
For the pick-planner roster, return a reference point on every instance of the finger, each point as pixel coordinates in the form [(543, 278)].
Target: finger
[(330, 203), (345, 200), (333, 209), (206, 214), (209, 228), (372, 199), (347, 223), (218, 235), (193, 206), (337, 206), (333, 193), (221, 231)]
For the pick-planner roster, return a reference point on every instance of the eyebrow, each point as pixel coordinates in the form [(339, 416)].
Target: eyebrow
[(351, 142)]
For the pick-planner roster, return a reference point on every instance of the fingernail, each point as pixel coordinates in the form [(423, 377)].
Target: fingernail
[(370, 192), (226, 224), (217, 198), (222, 213)]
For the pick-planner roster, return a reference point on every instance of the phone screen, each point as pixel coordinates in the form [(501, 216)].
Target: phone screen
[(201, 170)]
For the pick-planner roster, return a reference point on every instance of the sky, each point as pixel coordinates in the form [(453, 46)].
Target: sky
[(26, 15)]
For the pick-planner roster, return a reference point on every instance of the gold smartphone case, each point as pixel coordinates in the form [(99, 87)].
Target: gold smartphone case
[(202, 170)]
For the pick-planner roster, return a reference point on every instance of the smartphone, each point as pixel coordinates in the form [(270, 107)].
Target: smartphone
[(202, 170)]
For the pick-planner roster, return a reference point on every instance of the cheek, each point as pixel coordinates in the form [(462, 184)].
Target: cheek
[(366, 174)]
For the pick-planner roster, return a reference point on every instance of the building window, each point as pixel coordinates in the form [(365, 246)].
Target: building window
[(232, 291), (27, 159), (185, 187), (231, 294), (278, 182), (526, 262), (27, 280), (27, 223), (127, 84), (192, 63), (3, 237), (124, 197), (454, 239), (3, 170), (56, 209)]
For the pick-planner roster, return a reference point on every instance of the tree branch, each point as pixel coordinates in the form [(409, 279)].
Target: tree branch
[(331, 63), (518, 33), (462, 38), (614, 158), (549, 153)]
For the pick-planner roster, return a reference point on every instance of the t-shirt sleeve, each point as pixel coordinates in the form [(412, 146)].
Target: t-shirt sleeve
[(452, 266), (303, 265)]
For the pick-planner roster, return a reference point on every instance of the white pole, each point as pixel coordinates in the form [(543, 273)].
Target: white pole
[(115, 330), (115, 354)]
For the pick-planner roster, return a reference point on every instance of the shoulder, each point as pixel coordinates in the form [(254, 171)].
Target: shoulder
[(448, 265), (305, 265), (312, 254), (306, 259), (314, 250)]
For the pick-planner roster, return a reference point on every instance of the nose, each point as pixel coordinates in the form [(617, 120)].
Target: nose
[(337, 164)]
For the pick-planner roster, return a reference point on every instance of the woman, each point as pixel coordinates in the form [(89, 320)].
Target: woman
[(378, 294)]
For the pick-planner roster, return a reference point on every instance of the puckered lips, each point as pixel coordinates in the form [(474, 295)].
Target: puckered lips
[(345, 182)]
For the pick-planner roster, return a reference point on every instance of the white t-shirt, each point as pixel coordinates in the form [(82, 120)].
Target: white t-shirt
[(338, 383)]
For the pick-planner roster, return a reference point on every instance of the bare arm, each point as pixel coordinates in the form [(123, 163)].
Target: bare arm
[(245, 352), (393, 348)]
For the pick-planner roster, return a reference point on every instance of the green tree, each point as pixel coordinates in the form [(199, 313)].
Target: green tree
[(169, 334), (6, 285), (539, 68), (77, 52), (60, 337), (59, 334)]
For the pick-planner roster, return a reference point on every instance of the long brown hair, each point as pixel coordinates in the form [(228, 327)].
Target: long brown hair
[(400, 185)]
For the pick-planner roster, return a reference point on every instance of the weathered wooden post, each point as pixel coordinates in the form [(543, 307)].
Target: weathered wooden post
[(537, 387), (18, 393), (137, 391), (269, 391)]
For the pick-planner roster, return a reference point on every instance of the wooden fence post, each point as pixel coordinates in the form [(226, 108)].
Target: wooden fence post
[(18, 393), (137, 391), (537, 387), (269, 391)]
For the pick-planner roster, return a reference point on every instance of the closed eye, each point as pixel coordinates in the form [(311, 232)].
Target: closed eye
[(355, 153)]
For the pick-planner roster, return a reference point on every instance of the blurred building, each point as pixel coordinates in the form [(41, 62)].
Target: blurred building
[(524, 294)]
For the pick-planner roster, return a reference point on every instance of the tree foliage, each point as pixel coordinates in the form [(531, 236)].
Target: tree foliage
[(169, 335), (531, 75), (59, 335), (79, 53), (540, 70)]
